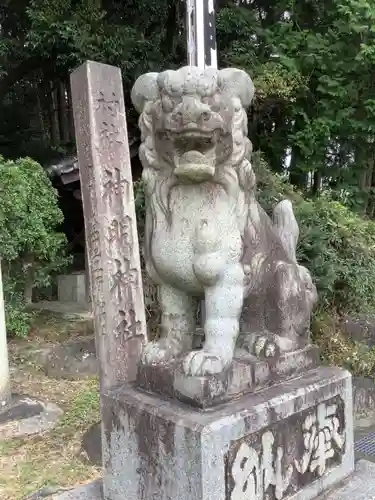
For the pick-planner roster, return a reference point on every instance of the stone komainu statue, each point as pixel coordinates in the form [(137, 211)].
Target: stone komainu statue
[(206, 236)]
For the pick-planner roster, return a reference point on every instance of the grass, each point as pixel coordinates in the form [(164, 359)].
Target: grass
[(337, 349), (54, 458), (49, 326)]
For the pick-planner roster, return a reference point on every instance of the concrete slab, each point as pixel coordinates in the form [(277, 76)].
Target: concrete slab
[(359, 486), (364, 396), (28, 416), (90, 491), (72, 287)]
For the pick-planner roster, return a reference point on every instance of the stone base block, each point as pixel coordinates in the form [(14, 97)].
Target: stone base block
[(247, 374), (90, 491), (293, 441)]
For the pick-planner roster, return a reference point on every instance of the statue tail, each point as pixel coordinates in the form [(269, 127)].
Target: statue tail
[(286, 227)]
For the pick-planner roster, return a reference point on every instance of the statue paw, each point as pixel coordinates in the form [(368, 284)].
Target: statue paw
[(199, 363), (156, 352), (268, 345), (264, 347)]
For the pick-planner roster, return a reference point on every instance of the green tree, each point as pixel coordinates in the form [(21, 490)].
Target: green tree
[(31, 247), (42, 41), (312, 62)]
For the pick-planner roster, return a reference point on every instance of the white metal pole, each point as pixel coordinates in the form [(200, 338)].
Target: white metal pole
[(211, 49), (5, 394), (190, 32), (201, 33), (201, 45)]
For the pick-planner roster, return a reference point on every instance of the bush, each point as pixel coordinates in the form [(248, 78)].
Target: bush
[(271, 187), (18, 318), (336, 245), (339, 350), (31, 248)]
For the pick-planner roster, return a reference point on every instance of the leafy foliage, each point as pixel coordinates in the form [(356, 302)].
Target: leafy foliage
[(336, 244), (18, 318), (149, 288), (31, 247), (339, 350)]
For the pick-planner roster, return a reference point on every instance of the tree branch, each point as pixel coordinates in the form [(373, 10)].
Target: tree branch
[(18, 72)]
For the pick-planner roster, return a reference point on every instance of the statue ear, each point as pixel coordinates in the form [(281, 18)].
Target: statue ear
[(145, 89), (237, 83)]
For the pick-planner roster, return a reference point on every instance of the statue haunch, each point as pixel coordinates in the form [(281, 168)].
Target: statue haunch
[(206, 236)]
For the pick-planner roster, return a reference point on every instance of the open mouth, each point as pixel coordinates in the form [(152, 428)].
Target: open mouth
[(193, 140), (195, 154), (195, 147)]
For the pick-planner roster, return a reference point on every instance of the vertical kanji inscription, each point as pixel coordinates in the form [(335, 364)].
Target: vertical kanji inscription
[(110, 222)]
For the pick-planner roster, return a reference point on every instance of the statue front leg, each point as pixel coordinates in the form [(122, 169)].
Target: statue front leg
[(177, 326), (223, 306)]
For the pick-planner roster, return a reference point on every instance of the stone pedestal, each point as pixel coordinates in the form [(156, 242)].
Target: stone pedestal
[(247, 374), (293, 440)]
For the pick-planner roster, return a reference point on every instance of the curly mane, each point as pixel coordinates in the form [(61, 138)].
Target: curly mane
[(235, 174)]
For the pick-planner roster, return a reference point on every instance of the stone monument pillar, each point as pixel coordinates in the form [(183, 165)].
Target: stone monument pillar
[(251, 414), (110, 223)]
